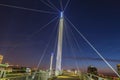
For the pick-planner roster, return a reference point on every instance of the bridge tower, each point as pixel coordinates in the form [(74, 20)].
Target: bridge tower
[(58, 70)]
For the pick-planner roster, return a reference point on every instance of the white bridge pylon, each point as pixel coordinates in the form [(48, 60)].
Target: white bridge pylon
[(58, 70)]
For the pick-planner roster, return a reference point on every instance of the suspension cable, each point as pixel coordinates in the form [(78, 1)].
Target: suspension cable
[(74, 55), (70, 41), (53, 5), (29, 9), (66, 4), (61, 5), (77, 64), (29, 37), (46, 48), (56, 39), (44, 51), (44, 26), (77, 44), (47, 4), (98, 53)]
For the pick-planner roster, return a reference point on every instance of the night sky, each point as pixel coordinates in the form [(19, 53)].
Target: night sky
[(22, 41)]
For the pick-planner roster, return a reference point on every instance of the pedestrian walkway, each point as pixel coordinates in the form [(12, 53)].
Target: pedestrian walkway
[(68, 76)]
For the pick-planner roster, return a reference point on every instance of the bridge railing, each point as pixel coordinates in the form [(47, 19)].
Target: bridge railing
[(41, 75), (95, 77), (91, 77)]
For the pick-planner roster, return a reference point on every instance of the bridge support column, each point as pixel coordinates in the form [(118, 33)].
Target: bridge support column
[(58, 70)]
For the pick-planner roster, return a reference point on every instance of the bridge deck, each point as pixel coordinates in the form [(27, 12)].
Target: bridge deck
[(68, 76)]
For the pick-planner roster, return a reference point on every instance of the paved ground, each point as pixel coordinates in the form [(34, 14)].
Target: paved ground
[(68, 76)]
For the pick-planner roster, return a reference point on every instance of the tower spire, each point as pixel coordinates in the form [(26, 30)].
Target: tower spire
[(58, 70)]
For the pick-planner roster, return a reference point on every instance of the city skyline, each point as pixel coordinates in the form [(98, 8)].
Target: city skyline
[(22, 43)]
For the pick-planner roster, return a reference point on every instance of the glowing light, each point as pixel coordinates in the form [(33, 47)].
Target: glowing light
[(52, 54), (61, 14)]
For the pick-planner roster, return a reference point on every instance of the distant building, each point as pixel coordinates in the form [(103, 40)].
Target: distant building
[(1, 58), (92, 70), (18, 69), (118, 68)]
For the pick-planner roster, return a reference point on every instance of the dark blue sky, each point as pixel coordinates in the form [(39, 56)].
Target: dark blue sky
[(98, 20)]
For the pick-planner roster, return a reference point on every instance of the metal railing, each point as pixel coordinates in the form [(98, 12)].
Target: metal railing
[(41, 75), (94, 77), (91, 77)]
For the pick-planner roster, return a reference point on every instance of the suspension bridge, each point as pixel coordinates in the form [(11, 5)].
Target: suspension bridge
[(58, 73)]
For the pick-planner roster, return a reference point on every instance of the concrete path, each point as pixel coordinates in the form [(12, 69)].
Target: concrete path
[(68, 76)]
